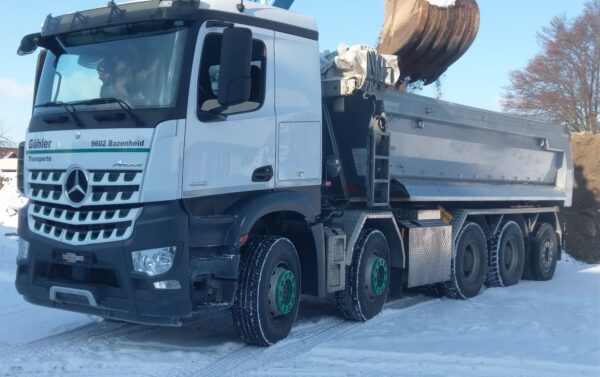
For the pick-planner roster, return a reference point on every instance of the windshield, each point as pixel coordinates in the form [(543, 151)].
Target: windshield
[(139, 64)]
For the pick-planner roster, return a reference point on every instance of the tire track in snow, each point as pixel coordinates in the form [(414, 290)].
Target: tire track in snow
[(12, 312), (61, 343), (83, 343), (90, 369), (303, 340), (375, 363), (74, 342)]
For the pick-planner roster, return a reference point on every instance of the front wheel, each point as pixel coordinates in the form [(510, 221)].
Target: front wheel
[(367, 278), (268, 293)]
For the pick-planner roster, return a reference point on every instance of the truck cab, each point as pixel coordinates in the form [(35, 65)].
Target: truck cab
[(162, 132)]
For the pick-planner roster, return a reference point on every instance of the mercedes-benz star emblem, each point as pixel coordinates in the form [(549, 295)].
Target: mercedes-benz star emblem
[(76, 185)]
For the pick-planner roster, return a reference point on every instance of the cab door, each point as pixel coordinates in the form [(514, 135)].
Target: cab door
[(230, 150)]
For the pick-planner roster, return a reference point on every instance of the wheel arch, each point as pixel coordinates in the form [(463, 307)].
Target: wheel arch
[(291, 215), (390, 230), (353, 222), (491, 224), (249, 212)]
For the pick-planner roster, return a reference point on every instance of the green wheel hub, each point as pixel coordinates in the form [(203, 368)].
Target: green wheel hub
[(377, 276), (282, 292)]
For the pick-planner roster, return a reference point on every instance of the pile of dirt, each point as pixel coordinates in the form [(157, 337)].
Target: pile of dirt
[(583, 219)]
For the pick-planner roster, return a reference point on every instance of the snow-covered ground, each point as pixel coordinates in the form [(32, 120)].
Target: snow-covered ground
[(533, 329)]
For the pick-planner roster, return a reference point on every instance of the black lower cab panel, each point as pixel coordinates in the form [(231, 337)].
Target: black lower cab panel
[(100, 279)]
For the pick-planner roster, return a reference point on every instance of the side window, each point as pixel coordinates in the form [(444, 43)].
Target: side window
[(208, 81)]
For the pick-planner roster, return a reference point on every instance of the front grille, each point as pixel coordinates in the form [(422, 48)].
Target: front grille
[(108, 187), (82, 226)]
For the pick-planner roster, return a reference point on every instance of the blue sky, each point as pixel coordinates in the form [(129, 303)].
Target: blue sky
[(506, 41)]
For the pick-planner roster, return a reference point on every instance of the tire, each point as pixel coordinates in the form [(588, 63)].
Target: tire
[(268, 291), (544, 253), (469, 264), (367, 278), (507, 256)]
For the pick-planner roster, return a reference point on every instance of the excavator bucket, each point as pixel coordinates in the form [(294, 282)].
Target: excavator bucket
[(428, 36)]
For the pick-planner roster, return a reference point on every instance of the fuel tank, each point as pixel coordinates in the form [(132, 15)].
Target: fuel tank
[(428, 36)]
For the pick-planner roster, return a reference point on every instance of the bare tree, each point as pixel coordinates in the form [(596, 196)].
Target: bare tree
[(4, 140), (562, 82)]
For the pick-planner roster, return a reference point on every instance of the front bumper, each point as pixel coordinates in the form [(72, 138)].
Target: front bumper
[(102, 281)]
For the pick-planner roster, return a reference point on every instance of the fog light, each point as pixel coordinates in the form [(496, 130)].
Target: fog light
[(23, 250), (154, 262), (169, 284)]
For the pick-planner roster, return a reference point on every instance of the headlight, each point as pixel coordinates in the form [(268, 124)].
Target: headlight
[(23, 250), (154, 262)]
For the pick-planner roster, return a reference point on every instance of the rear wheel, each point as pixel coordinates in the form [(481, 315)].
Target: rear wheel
[(268, 293), (367, 278), (544, 253), (507, 256), (469, 264)]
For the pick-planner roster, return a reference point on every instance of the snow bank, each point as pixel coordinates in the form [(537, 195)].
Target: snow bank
[(10, 199), (442, 3)]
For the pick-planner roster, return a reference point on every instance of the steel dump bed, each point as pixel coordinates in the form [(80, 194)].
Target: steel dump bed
[(443, 152)]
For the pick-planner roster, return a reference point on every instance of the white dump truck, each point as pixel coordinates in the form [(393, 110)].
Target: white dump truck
[(186, 156)]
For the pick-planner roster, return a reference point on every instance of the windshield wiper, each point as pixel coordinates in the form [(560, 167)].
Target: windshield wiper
[(66, 107), (105, 101)]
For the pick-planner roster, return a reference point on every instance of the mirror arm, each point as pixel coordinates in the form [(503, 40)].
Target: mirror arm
[(52, 44), (209, 116)]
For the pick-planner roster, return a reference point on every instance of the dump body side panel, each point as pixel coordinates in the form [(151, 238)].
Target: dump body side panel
[(442, 152)]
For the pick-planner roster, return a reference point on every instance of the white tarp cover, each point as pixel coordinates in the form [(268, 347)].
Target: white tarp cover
[(361, 64)]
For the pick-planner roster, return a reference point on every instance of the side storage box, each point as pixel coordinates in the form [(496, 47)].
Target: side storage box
[(429, 244)]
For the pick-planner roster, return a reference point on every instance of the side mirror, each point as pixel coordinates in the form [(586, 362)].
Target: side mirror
[(29, 44), (234, 75)]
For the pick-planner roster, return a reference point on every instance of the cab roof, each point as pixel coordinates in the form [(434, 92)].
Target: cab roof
[(149, 10)]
